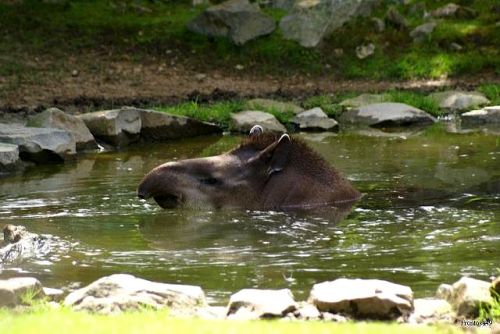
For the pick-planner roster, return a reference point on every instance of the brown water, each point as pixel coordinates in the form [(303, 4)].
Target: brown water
[(431, 213)]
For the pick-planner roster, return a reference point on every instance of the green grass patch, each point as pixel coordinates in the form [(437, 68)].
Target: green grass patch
[(63, 320), (417, 100), (492, 92)]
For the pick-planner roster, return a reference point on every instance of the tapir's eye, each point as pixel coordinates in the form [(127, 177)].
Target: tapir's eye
[(209, 181)]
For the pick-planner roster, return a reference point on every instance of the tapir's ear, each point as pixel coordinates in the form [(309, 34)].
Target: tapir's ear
[(275, 156), (256, 130)]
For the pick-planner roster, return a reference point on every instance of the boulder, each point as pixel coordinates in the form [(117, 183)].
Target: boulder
[(362, 100), (118, 127), (39, 144), (21, 244), (159, 126), (488, 115), (431, 311), (444, 291), (314, 119), (374, 299), (387, 114), (245, 120), (454, 10), (311, 21), (458, 100), (55, 118), (16, 291), (257, 303), (238, 20), (468, 295), (422, 32), (122, 292), (9, 157), (272, 105)]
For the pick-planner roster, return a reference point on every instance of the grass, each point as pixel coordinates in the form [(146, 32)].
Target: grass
[(63, 320), (492, 92)]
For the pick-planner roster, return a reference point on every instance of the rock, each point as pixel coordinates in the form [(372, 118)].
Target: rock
[(306, 311), (487, 115), (378, 24), (121, 292), (468, 295), (312, 20), (39, 144), (364, 51), (314, 119), (55, 118), (431, 311), (21, 244), (363, 100), (422, 32), (458, 100), (159, 126), (387, 114), (256, 303), (118, 127), (454, 10), (245, 120), (272, 105), (53, 294), (14, 291), (9, 157), (456, 47), (444, 291), (238, 20), (394, 18), (375, 299)]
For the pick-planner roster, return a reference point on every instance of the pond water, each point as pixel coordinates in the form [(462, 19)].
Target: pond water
[(431, 213)]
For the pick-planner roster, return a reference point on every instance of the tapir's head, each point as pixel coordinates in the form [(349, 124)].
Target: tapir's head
[(258, 174)]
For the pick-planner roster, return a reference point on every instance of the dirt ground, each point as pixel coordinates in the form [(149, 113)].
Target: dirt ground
[(78, 87)]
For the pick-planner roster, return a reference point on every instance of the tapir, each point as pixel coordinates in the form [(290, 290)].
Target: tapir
[(265, 172)]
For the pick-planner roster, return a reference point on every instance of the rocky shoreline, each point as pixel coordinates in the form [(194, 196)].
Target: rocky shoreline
[(56, 136)]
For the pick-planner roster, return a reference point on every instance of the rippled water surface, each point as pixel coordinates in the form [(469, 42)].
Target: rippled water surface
[(431, 213)]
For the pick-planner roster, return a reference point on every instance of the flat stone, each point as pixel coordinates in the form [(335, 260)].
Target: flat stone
[(39, 144), (55, 118), (272, 105), (431, 311), (14, 290), (488, 115), (118, 127), (375, 299), (9, 157), (468, 295), (238, 20), (245, 120), (458, 100), (158, 126), (387, 114), (122, 292), (362, 100), (314, 119), (257, 303)]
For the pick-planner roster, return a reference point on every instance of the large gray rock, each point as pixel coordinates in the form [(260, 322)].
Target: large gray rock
[(431, 311), (118, 127), (362, 100), (121, 292), (238, 20), (458, 100), (311, 21), (314, 119), (245, 120), (15, 291), (20, 244), (9, 157), (375, 299), (257, 303), (387, 114), (468, 295), (488, 115), (422, 32), (39, 144), (55, 118), (272, 105), (162, 126)]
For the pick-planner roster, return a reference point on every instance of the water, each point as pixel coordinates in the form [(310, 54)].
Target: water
[(429, 215)]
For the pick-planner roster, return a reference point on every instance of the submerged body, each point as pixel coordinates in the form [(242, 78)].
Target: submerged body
[(266, 172)]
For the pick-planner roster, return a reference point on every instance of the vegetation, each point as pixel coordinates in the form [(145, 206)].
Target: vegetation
[(45, 320)]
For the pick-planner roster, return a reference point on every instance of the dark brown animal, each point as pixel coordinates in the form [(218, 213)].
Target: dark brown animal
[(266, 172)]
